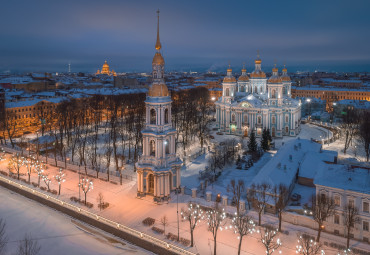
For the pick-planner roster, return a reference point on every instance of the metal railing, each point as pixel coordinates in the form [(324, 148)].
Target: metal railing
[(94, 216)]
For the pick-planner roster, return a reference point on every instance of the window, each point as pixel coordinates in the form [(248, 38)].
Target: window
[(365, 225), (227, 92), (273, 119), (245, 121), (286, 118), (336, 219), (337, 200), (167, 146), (365, 207), (233, 117), (166, 116), (273, 94), (351, 203), (259, 120), (152, 117), (152, 148), (286, 129)]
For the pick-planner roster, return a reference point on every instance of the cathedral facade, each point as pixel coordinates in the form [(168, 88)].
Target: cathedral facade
[(158, 169), (105, 70), (254, 102)]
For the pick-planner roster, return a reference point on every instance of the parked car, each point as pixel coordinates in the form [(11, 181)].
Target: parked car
[(211, 137), (219, 133)]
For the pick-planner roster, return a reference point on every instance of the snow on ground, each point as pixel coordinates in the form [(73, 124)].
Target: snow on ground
[(56, 233)]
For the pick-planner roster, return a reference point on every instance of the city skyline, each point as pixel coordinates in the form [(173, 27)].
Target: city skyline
[(43, 36)]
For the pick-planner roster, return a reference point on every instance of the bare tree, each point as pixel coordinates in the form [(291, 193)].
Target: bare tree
[(86, 185), (237, 189), (243, 225), (3, 237), (350, 126), (323, 207), (215, 220), (30, 164), (28, 246), (164, 222), (16, 162), (350, 216), (60, 179), (259, 198), (108, 153), (46, 180), (193, 215), (100, 200), (307, 246), (267, 236), (282, 201), (364, 133)]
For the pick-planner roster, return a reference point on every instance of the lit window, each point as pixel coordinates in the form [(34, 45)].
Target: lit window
[(365, 225), (336, 219), (365, 206), (337, 200)]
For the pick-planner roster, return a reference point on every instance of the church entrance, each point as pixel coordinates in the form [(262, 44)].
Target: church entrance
[(245, 132), (151, 184)]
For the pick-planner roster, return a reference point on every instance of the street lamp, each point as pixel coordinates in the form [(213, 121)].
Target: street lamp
[(178, 190)]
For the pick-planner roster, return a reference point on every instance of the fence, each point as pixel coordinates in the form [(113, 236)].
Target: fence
[(136, 237)]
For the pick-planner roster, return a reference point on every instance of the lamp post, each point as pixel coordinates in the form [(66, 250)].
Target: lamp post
[(79, 189), (178, 190)]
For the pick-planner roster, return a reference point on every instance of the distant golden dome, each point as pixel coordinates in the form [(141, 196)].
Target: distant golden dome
[(275, 69), (285, 70), (229, 79), (258, 61), (158, 59), (229, 70), (105, 64), (258, 75), (285, 78), (275, 79), (158, 90)]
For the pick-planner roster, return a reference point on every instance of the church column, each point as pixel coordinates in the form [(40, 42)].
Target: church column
[(155, 185), (166, 186)]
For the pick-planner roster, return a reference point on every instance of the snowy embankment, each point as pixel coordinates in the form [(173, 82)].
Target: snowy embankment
[(55, 232)]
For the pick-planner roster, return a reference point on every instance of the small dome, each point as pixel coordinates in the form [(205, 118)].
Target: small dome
[(285, 78), (158, 59), (105, 64), (258, 61), (158, 90), (243, 78), (229, 79), (275, 79)]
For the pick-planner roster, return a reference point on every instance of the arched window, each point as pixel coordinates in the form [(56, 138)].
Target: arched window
[(166, 116), (286, 118), (167, 146), (242, 88), (255, 89), (273, 94), (245, 119), (233, 118), (273, 119), (284, 90), (152, 148), (227, 92), (260, 89), (152, 117), (259, 120)]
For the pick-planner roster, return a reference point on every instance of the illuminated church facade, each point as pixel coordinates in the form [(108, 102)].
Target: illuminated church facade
[(254, 102), (105, 70), (158, 168)]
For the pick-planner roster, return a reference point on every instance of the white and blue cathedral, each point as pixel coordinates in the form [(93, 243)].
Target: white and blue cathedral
[(158, 169), (254, 103)]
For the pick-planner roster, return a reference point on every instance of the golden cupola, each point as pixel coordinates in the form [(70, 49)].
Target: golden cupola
[(158, 59), (244, 76), (285, 77), (275, 76), (229, 77), (258, 73)]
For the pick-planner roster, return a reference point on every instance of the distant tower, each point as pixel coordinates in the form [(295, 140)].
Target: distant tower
[(158, 169), (258, 78), (69, 67), (275, 88)]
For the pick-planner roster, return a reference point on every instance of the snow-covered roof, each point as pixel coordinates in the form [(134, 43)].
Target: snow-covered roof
[(345, 178), (280, 169), (314, 162)]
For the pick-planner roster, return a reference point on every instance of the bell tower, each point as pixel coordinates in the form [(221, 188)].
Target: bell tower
[(158, 169)]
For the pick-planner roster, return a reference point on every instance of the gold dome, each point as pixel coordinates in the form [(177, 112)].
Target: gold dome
[(158, 90), (105, 64), (275, 79), (158, 59), (229, 79), (258, 61), (258, 75), (229, 70), (285, 70), (243, 78), (275, 69), (285, 78)]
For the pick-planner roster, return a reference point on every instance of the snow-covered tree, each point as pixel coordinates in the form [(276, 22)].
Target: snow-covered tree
[(86, 185), (60, 178), (15, 163), (243, 225), (269, 239), (215, 220), (252, 143), (259, 195), (308, 246), (46, 180), (193, 214), (237, 188)]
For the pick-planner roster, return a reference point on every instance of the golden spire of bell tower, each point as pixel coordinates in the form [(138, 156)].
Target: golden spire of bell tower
[(158, 45)]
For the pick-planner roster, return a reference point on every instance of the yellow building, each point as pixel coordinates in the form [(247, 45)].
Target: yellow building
[(105, 70)]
